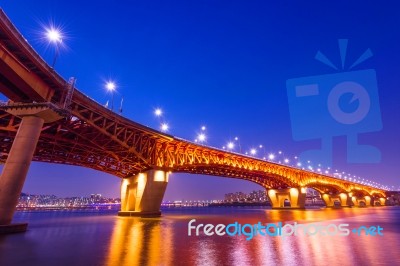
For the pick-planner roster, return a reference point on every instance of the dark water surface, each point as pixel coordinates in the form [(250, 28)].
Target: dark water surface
[(102, 238)]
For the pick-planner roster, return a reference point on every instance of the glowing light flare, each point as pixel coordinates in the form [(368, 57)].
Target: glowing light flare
[(201, 137), (253, 151), (110, 86), (54, 35), (158, 112), (164, 127), (271, 156), (230, 145)]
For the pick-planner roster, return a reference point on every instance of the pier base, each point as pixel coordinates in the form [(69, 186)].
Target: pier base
[(379, 202), (13, 228), (361, 202), (141, 195), (336, 200), (290, 198)]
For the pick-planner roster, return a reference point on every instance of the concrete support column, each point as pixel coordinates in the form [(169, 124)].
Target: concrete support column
[(141, 195), (296, 197), (16, 167), (362, 201), (337, 200), (379, 202)]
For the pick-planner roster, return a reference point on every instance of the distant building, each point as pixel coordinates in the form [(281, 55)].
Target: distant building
[(393, 198), (51, 201), (258, 196), (254, 196)]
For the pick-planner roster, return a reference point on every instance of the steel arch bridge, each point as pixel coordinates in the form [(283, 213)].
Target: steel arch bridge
[(73, 129)]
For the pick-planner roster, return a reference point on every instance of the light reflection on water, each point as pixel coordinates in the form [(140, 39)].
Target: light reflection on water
[(72, 238)]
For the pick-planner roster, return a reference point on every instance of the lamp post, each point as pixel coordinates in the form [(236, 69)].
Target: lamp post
[(238, 141), (263, 149), (54, 36), (158, 112), (230, 145), (271, 156), (120, 108), (110, 86), (202, 137), (164, 127)]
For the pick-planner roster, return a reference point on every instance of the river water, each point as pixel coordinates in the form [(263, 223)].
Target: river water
[(102, 238)]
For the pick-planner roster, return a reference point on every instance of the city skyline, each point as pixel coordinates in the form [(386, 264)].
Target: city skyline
[(254, 194), (192, 92)]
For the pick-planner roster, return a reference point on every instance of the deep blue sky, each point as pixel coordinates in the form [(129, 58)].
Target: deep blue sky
[(223, 64)]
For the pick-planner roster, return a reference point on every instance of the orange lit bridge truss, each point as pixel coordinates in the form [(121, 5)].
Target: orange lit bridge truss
[(102, 140)]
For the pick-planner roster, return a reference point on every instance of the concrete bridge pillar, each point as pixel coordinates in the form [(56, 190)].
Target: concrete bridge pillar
[(379, 202), (361, 201), (290, 198), (15, 169), (141, 195), (337, 200)]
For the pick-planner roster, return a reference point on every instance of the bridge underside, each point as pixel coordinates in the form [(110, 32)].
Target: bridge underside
[(72, 141)]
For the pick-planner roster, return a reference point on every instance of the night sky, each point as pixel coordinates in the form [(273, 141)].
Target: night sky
[(222, 64)]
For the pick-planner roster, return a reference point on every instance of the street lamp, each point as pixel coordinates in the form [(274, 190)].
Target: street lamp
[(158, 112), (54, 36), (110, 86), (253, 151), (271, 156), (201, 137), (238, 141), (164, 127), (230, 145), (120, 108), (263, 149)]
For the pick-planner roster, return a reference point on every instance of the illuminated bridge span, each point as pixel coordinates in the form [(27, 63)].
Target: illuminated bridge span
[(47, 120)]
